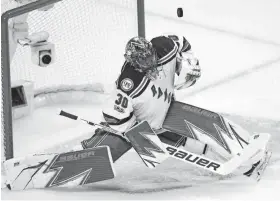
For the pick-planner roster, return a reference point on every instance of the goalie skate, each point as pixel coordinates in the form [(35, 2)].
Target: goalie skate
[(257, 170)]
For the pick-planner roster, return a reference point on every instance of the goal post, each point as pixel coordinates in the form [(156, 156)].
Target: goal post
[(7, 64)]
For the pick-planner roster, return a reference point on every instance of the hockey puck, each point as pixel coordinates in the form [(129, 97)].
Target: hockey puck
[(9, 186), (180, 12)]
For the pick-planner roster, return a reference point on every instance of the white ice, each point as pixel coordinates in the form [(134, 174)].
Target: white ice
[(238, 45)]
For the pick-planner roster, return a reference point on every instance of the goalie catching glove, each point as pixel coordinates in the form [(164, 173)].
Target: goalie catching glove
[(187, 65), (188, 71), (193, 71)]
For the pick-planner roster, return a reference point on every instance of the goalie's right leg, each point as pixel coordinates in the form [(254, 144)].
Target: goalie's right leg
[(223, 137)]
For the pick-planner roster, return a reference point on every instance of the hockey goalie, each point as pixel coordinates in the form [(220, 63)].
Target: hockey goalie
[(143, 114), (145, 92)]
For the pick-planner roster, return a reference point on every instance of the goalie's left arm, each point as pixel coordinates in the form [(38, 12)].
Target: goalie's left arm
[(187, 66)]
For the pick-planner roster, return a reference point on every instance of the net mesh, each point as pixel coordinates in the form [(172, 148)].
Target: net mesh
[(89, 38)]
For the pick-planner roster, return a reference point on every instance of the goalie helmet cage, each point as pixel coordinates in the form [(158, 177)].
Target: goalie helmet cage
[(137, 10)]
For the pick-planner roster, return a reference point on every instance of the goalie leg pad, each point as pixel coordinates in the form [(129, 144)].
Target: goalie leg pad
[(65, 169), (172, 138), (118, 145)]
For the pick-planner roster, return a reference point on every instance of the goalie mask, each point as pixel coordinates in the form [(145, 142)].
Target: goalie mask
[(141, 54)]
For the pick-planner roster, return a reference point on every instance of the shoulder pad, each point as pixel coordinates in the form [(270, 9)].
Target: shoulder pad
[(131, 82), (165, 47), (182, 42)]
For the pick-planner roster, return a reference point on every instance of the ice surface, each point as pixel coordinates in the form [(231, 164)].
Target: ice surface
[(171, 180), (241, 77)]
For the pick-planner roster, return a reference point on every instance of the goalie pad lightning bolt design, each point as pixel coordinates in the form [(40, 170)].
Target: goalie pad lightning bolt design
[(147, 144), (217, 136), (66, 169), (89, 165), (70, 168), (191, 121)]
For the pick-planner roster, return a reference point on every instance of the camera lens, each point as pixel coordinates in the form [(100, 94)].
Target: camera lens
[(46, 59)]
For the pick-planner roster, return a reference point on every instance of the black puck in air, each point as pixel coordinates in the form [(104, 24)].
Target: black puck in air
[(180, 12)]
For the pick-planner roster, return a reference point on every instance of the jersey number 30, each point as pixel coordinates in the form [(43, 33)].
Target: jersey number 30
[(123, 101)]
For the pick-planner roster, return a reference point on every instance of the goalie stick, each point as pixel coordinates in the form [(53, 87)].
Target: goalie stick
[(152, 155), (75, 117)]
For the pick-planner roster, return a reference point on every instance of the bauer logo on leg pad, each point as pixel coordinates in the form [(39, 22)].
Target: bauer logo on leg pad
[(75, 156), (184, 155)]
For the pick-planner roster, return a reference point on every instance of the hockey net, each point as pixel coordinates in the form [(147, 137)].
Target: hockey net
[(89, 38)]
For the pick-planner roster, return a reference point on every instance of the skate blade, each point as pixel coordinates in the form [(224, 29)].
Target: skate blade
[(260, 170)]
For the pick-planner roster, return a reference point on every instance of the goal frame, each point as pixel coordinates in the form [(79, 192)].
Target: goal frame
[(6, 104)]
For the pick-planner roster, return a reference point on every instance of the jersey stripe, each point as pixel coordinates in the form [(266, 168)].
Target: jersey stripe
[(115, 121), (169, 56), (140, 86), (142, 90), (168, 60)]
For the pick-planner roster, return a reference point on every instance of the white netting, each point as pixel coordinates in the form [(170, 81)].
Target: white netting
[(89, 38)]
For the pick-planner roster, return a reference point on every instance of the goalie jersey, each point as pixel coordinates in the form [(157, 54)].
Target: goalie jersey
[(138, 98)]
